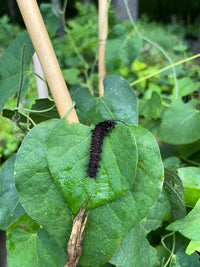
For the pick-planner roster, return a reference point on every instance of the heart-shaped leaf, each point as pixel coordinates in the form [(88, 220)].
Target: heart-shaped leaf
[(68, 150), (37, 191), (118, 102), (180, 123)]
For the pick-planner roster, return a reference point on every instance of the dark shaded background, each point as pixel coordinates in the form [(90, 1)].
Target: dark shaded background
[(159, 10)]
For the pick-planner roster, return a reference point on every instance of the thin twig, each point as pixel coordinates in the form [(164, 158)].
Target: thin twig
[(74, 247)]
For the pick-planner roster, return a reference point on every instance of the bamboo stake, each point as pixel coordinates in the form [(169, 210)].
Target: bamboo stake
[(103, 31), (43, 47)]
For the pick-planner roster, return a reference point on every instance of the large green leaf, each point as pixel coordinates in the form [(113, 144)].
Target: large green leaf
[(135, 250), (121, 50), (150, 173), (68, 149), (106, 227), (37, 191), (118, 102), (10, 70), (180, 123), (33, 250), (110, 223), (10, 208), (190, 177), (190, 225)]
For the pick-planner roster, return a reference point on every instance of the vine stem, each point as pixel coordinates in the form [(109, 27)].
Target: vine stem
[(22, 75), (154, 44), (173, 247), (164, 69)]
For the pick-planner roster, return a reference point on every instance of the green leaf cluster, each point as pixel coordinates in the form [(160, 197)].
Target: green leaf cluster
[(139, 214)]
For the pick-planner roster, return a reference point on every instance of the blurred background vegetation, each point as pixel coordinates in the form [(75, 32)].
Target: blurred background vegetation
[(174, 25)]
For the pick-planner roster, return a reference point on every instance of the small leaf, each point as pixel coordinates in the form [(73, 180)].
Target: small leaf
[(190, 177), (190, 225), (50, 16), (174, 188), (151, 108), (172, 163), (193, 246), (118, 97), (38, 250), (180, 123), (10, 63), (186, 86), (40, 105), (121, 50), (71, 76), (135, 250), (10, 207)]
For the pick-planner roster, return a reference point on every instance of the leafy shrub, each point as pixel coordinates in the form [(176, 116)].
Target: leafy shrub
[(144, 206)]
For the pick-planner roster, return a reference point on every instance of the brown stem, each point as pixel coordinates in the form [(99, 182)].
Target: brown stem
[(74, 247)]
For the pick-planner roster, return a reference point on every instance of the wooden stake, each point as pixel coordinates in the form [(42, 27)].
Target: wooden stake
[(43, 47), (103, 31)]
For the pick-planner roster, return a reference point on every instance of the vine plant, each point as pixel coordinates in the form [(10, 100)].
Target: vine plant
[(144, 207)]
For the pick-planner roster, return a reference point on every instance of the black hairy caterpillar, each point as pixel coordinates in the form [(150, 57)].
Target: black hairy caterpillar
[(101, 129)]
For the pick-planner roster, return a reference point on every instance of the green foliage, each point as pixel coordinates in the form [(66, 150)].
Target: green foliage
[(190, 225), (8, 143), (134, 203), (49, 14), (121, 50), (126, 210), (137, 250), (190, 177), (107, 185), (10, 206), (9, 30), (180, 123), (118, 94), (10, 63), (40, 249)]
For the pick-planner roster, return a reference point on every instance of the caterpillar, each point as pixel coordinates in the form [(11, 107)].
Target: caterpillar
[(101, 129)]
